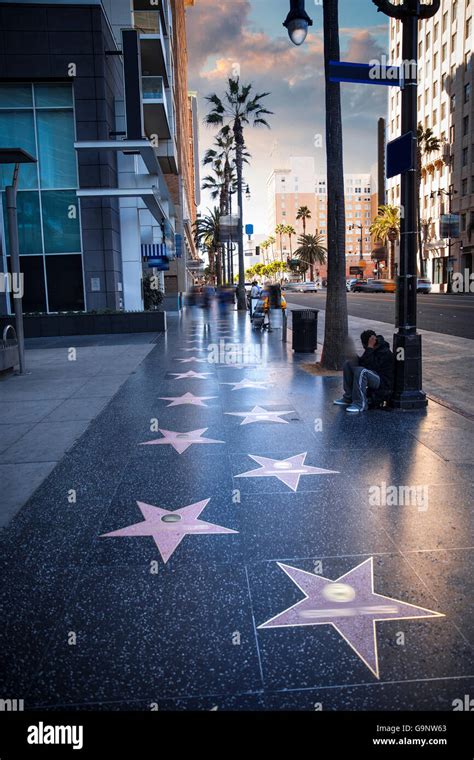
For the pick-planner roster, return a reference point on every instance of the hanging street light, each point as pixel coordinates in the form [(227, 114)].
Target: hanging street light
[(297, 22)]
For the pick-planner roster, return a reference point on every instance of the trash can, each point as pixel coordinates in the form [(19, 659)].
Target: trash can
[(305, 330)]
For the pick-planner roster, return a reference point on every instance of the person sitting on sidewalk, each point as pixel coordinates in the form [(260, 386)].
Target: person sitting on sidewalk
[(370, 375)]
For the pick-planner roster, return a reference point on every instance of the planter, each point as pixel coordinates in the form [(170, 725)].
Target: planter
[(54, 325)]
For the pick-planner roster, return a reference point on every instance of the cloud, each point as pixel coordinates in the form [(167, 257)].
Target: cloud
[(222, 42)]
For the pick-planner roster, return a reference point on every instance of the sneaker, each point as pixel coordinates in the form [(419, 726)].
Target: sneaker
[(354, 409), (342, 401)]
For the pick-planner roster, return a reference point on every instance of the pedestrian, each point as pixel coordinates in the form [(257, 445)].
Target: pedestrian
[(368, 380)]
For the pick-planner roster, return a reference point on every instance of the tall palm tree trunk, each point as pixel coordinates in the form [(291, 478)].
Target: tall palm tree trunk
[(239, 145), (336, 327)]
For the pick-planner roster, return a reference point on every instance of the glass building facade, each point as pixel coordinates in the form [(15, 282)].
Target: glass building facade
[(39, 117)]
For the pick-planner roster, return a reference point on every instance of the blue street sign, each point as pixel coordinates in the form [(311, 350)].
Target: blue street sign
[(401, 155), (365, 73), (162, 264), (249, 229)]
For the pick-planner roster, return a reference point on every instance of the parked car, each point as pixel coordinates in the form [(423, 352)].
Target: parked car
[(368, 286), (423, 285), (357, 286), (309, 287), (349, 283)]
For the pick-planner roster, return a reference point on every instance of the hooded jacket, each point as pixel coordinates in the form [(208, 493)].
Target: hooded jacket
[(380, 360)]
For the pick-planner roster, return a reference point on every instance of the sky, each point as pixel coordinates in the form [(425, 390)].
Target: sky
[(247, 36)]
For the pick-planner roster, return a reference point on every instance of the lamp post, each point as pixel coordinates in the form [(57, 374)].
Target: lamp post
[(449, 194), (408, 393), (15, 156), (247, 194), (297, 22), (360, 227)]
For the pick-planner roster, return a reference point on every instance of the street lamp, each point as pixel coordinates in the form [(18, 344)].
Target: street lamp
[(247, 193), (408, 393), (360, 227), (297, 22), (15, 156)]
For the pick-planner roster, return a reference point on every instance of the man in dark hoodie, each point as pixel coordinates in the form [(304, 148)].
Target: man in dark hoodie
[(371, 373)]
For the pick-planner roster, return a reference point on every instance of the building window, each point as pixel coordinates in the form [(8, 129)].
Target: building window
[(440, 266), (435, 89), (465, 155), (454, 10), (444, 52), (467, 92), (464, 187), (40, 118), (453, 102), (468, 27), (465, 126), (453, 42), (436, 31), (445, 21), (443, 110)]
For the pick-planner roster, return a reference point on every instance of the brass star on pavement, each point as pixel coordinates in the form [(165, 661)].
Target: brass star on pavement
[(190, 374), (259, 414), (186, 398), (288, 471), (180, 441), (168, 528), (245, 383), (349, 604)]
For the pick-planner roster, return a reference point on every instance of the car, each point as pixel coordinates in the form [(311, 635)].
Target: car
[(357, 286), (423, 285), (349, 283), (388, 286), (309, 287)]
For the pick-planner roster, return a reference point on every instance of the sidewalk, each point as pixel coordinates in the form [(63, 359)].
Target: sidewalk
[(44, 412), (448, 361), (234, 551)]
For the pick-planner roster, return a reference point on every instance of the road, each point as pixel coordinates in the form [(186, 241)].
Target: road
[(447, 314)]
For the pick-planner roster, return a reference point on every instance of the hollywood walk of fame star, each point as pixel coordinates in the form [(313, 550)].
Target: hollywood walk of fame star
[(350, 604), (260, 384), (186, 398), (192, 359), (168, 528), (259, 414), (196, 348), (288, 471), (180, 441), (190, 374)]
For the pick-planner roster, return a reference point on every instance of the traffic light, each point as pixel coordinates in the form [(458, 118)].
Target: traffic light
[(257, 250)]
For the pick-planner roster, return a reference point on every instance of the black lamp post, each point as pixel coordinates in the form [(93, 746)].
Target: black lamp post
[(408, 393), (15, 156), (297, 22), (360, 227)]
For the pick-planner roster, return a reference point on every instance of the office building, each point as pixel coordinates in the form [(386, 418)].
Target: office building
[(97, 92)]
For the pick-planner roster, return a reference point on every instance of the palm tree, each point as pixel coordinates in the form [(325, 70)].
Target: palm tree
[(290, 231), (280, 230), (272, 242), (265, 245), (386, 227), (311, 251), (238, 108), (303, 214), (206, 235), (336, 323), (427, 143)]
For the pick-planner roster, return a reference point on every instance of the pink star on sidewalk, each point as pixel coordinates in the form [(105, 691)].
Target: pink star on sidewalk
[(190, 374), (168, 528), (192, 359), (181, 441), (288, 470), (349, 604), (186, 398)]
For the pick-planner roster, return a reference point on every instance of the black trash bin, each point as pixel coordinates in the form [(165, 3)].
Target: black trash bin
[(305, 330)]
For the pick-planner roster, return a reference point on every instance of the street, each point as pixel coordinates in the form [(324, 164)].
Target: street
[(447, 314)]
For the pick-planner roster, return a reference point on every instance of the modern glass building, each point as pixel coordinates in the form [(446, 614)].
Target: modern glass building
[(40, 118), (109, 126)]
